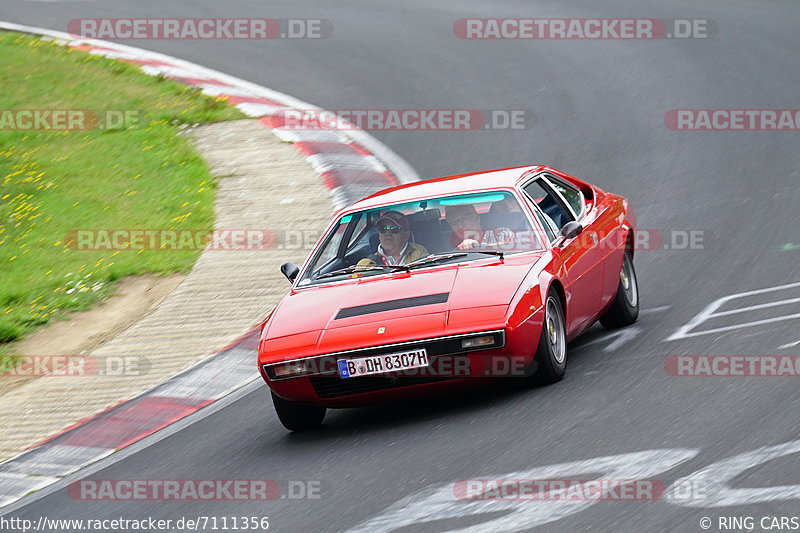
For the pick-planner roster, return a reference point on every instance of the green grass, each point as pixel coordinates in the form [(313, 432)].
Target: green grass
[(52, 182)]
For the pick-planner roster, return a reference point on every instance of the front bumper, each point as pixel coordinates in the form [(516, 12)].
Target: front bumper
[(451, 366)]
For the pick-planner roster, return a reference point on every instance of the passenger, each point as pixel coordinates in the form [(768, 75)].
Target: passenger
[(468, 233)]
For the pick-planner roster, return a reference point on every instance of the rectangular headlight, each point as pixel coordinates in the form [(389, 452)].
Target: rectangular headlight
[(302, 367), (484, 341), (288, 370)]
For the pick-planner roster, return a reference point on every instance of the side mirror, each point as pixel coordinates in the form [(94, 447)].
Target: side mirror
[(290, 270), (571, 230)]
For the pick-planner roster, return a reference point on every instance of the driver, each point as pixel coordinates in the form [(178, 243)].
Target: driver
[(394, 247)]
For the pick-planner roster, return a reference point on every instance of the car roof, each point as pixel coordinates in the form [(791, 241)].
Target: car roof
[(461, 183)]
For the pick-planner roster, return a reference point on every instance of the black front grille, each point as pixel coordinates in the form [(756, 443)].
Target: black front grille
[(334, 387)]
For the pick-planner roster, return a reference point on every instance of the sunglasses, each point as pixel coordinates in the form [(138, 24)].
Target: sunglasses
[(390, 229)]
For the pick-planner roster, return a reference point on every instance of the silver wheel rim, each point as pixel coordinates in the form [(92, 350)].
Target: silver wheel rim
[(627, 277), (554, 328)]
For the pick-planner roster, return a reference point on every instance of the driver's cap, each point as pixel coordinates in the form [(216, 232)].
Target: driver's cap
[(392, 218)]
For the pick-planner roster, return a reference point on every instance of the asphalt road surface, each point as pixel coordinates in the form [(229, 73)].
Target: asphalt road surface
[(599, 108)]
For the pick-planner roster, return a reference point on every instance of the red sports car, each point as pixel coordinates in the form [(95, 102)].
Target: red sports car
[(445, 283)]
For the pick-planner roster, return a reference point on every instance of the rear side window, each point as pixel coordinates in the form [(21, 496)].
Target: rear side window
[(573, 196), (549, 202)]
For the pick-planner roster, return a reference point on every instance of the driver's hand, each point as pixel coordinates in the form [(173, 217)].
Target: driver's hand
[(468, 244)]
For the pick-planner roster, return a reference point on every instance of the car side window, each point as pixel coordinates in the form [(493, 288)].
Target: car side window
[(547, 223), (549, 202), (332, 246), (360, 234), (573, 196)]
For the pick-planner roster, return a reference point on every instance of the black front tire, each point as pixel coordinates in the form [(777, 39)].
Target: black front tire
[(625, 309), (298, 417), (551, 354)]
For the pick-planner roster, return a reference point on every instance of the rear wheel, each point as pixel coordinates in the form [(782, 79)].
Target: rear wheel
[(551, 354), (297, 417), (625, 308)]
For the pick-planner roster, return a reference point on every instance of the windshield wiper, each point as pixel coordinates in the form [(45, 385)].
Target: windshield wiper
[(434, 258), (355, 268), (489, 252)]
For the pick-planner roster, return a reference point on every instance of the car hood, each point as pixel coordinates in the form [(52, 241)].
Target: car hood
[(406, 305)]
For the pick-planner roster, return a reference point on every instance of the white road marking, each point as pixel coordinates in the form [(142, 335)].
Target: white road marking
[(756, 307), (326, 162), (439, 502), (24, 482), (711, 312), (790, 345), (654, 310), (252, 109), (291, 135), (216, 90), (626, 335), (676, 336), (111, 54), (711, 483), (165, 70), (622, 336), (705, 488)]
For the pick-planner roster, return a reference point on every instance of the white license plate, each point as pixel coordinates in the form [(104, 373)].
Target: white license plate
[(380, 364)]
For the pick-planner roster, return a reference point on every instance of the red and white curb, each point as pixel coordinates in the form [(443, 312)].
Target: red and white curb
[(352, 164)]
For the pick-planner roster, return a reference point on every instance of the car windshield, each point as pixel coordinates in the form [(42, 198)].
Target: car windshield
[(421, 234)]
